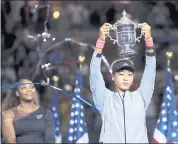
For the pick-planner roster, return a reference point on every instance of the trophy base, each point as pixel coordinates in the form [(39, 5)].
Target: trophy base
[(127, 53)]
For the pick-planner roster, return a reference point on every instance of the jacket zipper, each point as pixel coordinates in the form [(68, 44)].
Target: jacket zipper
[(124, 116)]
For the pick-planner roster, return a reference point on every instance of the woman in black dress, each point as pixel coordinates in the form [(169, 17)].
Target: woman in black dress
[(23, 120)]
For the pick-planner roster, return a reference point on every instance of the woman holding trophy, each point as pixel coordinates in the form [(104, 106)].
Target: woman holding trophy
[(123, 112)]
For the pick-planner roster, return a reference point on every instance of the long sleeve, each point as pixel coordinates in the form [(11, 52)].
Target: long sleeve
[(49, 130), (97, 84), (148, 79)]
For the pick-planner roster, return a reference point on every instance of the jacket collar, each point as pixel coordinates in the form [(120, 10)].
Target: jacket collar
[(125, 94)]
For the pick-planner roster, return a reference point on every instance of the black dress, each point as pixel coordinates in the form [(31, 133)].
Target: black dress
[(37, 127)]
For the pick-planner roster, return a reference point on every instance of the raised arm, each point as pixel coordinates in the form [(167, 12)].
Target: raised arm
[(49, 129), (97, 84), (8, 131), (148, 79)]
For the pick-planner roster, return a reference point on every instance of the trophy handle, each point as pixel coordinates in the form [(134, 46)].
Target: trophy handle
[(139, 25), (112, 28)]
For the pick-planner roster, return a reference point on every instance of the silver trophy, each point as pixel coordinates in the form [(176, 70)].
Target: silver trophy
[(125, 31)]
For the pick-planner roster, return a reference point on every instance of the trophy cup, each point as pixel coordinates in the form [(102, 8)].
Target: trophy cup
[(125, 31)]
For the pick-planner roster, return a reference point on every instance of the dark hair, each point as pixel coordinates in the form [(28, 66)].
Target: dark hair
[(12, 100)]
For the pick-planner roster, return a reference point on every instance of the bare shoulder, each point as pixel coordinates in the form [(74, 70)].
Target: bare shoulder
[(8, 114)]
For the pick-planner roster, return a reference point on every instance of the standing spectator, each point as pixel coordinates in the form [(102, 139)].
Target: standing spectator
[(76, 15), (173, 13), (25, 14), (42, 17), (9, 39), (95, 19), (110, 14), (7, 6), (160, 16)]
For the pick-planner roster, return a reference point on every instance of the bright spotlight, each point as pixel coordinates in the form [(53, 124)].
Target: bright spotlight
[(56, 14)]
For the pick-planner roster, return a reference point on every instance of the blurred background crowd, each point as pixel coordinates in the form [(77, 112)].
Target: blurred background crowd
[(80, 20)]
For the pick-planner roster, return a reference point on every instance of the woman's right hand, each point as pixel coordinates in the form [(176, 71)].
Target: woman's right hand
[(104, 31)]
